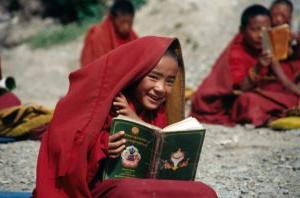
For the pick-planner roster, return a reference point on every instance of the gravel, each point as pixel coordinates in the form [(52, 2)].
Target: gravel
[(236, 162)]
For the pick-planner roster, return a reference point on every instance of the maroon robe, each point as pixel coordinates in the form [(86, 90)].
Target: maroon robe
[(101, 39), (76, 141), (215, 101), (9, 99)]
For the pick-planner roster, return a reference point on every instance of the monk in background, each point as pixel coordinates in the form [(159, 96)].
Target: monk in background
[(281, 13), (20, 121), (243, 86), (115, 30), (7, 98)]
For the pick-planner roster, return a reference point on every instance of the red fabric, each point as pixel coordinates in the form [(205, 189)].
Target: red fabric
[(101, 39), (9, 99), (141, 188), (73, 144), (214, 101)]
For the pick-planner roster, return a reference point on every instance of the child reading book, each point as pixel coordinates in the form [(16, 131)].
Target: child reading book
[(144, 80)]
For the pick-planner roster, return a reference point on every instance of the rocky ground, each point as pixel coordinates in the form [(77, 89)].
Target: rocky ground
[(236, 162)]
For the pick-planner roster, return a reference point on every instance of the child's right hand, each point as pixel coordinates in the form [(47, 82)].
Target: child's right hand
[(122, 107), (116, 144)]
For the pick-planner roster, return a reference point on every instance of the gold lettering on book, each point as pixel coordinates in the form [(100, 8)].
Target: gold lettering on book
[(127, 172), (135, 130), (137, 140)]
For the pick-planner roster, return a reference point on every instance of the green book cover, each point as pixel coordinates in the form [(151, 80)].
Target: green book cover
[(151, 152), (179, 155)]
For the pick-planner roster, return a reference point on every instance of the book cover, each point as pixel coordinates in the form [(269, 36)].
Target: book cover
[(150, 152), (276, 40), (135, 160)]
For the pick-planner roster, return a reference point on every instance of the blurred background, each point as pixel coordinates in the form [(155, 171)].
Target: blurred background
[(41, 40)]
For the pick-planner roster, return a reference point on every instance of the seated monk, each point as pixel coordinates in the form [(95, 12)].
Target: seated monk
[(7, 98), (115, 30), (281, 13), (20, 121), (146, 84), (243, 86)]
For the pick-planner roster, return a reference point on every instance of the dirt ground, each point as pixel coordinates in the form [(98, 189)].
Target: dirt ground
[(236, 162)]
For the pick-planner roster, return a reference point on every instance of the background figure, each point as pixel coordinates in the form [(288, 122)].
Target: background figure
[(242, 87), (18, 121), (281, 13), (115, 30), (7, 98)]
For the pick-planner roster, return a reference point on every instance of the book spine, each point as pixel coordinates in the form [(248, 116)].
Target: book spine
[(155, 160)]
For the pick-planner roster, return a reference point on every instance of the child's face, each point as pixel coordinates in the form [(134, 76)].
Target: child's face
[(155, 87), (253, 31), (281, 14), (123, 25)]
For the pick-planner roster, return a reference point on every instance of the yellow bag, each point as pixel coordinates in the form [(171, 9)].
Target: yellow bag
[(292, 122)]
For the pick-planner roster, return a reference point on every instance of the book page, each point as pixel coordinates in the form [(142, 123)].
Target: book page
[(140, 122), (189, 123), (266, 41)]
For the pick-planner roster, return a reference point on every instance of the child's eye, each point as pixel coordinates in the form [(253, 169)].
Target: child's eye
[(170, 82), (153, 77)]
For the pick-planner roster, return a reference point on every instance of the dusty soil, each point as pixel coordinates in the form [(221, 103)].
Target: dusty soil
[(236, 162)]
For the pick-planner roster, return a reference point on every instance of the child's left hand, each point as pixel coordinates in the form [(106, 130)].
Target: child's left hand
[(122, 107)]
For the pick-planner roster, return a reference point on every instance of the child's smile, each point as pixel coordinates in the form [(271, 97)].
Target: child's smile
[(154, 88)]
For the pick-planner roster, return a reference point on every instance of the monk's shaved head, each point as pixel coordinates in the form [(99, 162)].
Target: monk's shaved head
[(122, 7), (251, 12)]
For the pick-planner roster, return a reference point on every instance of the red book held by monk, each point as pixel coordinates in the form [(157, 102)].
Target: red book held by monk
[(169, 153)]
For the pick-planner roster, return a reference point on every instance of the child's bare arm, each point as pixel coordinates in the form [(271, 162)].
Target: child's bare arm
[(283, 78), (263, 60)]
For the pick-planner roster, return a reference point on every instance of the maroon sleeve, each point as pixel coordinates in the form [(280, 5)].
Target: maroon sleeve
[(238, 65)]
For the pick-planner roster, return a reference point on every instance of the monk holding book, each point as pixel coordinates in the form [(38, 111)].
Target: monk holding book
[(281, 14), (146, 84), (243, 86), (115, 30)]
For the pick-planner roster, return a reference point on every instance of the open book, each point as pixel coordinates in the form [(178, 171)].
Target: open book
[(276, 40), (151, 152)]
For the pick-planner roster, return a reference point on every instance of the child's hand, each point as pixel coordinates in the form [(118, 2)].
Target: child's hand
[(116, 144), (121, 105), (296, 36), (265, 59)]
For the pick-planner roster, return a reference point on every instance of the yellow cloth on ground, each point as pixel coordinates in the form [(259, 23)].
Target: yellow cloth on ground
[(20, 120), (292, 122)]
